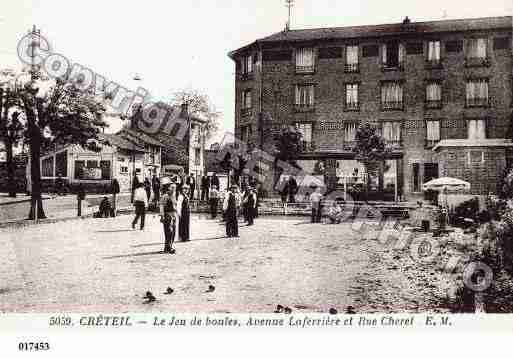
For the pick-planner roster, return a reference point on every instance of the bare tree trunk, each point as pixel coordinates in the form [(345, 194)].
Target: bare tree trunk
[(10, 168), (35, 172)]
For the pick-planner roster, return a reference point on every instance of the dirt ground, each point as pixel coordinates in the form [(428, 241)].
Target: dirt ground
[(91, 265)]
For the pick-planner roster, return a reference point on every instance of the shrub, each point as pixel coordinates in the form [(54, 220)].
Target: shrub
[(468, 209)]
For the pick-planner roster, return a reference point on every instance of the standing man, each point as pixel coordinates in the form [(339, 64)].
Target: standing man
[(191, 182), (230, 208), (251, 205), (292, 188), (140, 204), (184, 215), (214, 181), (155, 183), (147, 188), (114, 187), (204, 188), (168, 214), (315, 201), (135, 184), (213, 198)]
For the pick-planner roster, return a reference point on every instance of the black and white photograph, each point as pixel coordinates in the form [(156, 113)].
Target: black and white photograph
[(311, 163)]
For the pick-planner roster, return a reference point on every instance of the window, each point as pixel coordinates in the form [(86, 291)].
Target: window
[(79, 168), (91, 170), (305, 60), (476, 52), (392, 132), (416, 177), (197, 156), (105, 170), (246, 133), (392, 56), (351, 58), (477, 93), (352, 97), (476, 129), (123, 170), (433, 53), (306, 131), (432, 132), (476, 48), (247, 65), (47, 167), (304, 95), (433, 95), (246, 102), (392, 96), (349, 132)]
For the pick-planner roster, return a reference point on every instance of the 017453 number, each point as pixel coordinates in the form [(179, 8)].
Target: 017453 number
[(33, 346)]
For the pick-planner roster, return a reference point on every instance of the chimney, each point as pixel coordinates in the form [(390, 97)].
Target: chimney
[(406, 20)]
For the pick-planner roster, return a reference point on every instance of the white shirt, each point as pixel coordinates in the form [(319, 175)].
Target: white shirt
[(140, 195)]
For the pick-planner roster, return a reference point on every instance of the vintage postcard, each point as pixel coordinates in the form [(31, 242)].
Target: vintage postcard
[(286, 164)]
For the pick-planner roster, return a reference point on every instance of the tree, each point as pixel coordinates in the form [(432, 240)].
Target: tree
[(237, 163), (371, 151), (11, 127), (64, 114), (289, 145), (199, 105)]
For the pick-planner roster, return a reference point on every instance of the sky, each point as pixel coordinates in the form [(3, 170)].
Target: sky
[(174, 45)]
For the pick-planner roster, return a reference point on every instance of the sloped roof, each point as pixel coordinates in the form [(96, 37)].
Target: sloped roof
[(139, 137), (350, 32), (120, 142)]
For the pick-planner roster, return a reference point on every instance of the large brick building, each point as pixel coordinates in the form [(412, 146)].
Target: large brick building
[(440, 93)]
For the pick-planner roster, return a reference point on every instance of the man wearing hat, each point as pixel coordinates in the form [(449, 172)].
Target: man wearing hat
[(251, 205), (168, 213), (230, 207), (184, 214)]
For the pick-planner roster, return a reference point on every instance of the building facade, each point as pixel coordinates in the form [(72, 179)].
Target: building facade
[(122, 155), (440, 93)]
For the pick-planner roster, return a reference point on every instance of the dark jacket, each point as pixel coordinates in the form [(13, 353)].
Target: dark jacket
[(205, 182), (115, 186), (214, 181)]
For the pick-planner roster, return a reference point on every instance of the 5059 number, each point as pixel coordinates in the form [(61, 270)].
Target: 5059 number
[(32, 346), (61, 321)]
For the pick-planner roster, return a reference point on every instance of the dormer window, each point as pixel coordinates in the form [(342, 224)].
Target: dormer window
[(305, 62)]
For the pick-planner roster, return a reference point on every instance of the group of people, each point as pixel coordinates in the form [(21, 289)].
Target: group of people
[(175, 213), (148, 187), (235, 203)]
